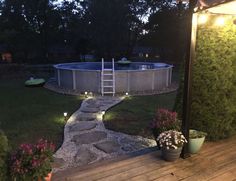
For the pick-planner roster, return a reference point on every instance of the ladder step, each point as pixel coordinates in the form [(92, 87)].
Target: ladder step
[(106, 80), (107, 74), (107, 86), (108, 92), (107, 69)]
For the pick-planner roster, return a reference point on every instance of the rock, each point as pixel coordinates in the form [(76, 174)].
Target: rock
[(83, 125), (90, 110), (139, 146), (108, 146), (85, 156), (127, 148), (88, 138)]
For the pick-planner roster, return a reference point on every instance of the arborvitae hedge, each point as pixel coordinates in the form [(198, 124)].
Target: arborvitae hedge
[(213, 107)]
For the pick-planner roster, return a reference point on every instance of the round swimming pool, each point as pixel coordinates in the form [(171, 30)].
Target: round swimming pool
[(133, 78)]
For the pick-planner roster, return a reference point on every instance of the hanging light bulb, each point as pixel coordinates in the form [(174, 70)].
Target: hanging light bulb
[(220, 21), (202, 19)]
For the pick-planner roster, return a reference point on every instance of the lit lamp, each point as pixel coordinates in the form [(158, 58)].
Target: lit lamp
[(220, 21), (65, 115), (126, 93), (202, 19), (86, 94)]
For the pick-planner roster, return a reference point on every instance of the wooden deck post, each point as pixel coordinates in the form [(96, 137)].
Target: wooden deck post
[(188, 79)]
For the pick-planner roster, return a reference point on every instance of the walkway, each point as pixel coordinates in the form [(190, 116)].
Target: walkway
[(216, 162), (86, 140)]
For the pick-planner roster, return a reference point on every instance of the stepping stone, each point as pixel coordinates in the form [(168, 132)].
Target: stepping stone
[(84, 156), (92, 106), (108, 146), (126, 141), (87, 138), (86, 117), (82, 126), (107, 102), (91, 101), (90, 110)]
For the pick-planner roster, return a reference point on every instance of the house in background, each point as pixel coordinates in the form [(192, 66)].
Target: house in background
[(145, 52)]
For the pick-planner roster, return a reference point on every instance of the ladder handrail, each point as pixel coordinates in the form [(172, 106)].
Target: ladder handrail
[(113, 76), (102, 72)]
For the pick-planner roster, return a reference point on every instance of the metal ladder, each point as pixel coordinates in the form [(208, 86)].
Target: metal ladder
[(108, 79)]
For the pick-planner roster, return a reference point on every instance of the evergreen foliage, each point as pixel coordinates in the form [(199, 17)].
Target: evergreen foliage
[(214, 80)]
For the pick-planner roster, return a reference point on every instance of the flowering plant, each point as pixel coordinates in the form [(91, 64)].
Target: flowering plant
[(164, 120), (32, 161), (171, 139)]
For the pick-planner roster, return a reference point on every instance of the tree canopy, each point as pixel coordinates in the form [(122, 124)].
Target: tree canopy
[(34, 29)]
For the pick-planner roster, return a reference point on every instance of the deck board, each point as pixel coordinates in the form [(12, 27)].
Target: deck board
[(215, 162)]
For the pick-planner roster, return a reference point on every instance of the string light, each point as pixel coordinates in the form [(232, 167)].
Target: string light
[(220, 21), (202, 19)]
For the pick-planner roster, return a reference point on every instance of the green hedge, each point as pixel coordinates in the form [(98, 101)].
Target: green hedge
[(214, 80)]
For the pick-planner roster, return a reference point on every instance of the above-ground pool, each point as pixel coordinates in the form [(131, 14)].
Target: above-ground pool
[(133, 78)]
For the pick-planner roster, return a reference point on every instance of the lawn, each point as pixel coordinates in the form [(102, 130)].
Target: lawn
[(134, 114), (28, 114)]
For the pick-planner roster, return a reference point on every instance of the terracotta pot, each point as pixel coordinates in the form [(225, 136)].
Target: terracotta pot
[(171, 154), (47, 178)]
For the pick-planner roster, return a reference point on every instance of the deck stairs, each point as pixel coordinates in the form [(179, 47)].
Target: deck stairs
[(108, 78)]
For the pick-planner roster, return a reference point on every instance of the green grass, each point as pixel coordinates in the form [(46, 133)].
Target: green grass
[(28, 114), (134, 114)]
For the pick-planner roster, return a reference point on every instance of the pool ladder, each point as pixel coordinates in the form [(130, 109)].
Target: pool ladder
[(108, 79)]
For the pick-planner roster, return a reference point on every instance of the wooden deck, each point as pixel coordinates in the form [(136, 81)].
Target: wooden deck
[(215, 162)]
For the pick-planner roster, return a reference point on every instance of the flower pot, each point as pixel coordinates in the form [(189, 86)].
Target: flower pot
[(171, 154), (195, 144), (47, 178)]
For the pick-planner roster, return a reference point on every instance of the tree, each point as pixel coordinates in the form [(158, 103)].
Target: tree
[(113, 25), (166, 29), (25, 25)]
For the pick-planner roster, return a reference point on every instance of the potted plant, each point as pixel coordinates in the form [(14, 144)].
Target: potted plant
[(32, 162), (164, 120), (171, 143), (196, 140)]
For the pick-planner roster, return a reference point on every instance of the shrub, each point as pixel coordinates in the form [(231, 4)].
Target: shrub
[(213, 91), (164, 120), (4, 148), (178, 106), (31, 162)]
